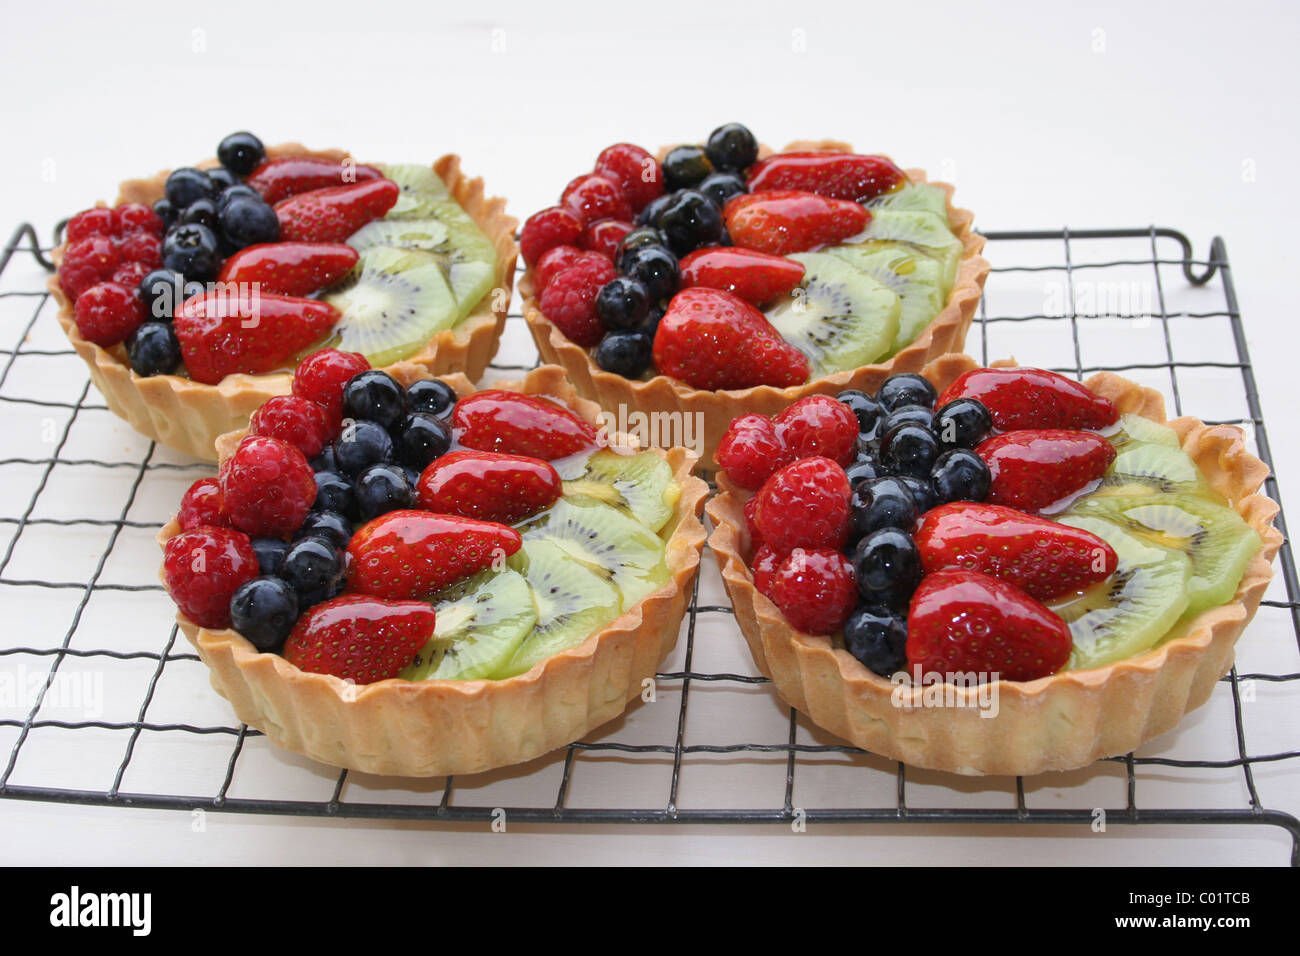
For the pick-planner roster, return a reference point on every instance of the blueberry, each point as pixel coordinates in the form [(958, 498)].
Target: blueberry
[(241, 153), (906, 388), (432, 396), (328, 526), (231, 193), (362, 444), (691, 220), (325, 461), (656, 269), (270, 554), (624, 353), (165, 211), (424, 437), (649, 216), (922, 493), (909, 449), (882, 503), (246, 221), (202, 211), (264, 611), (651, 324), (888, 566), (622, 303), (732, 146), (907, 413), (684, 167), (222, 178), (375, 396), (153, 350), (867, 447), (864, 469), (720, 187), (960, 475), (639, 238), (866, 408), (162, 290), (191, 250), (187, 184), (381, 489), (412, 478), (877, 637), (962, 423), (333, 493), (314, 568)]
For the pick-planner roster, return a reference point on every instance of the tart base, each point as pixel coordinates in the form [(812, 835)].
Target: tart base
[(438, 727), (1062, 722), (188, 416)]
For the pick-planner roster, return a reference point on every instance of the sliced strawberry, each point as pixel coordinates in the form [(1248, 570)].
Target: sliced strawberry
[(222, 333), (291, 268), (516, 424), (278, 179), (333, 214), (835, 175), (1032, 398), (963, 621), (711, 339), (489, 486), (412, 554), (1034, 468), (359, 638), (786, 221), (757, 277), (1044, 558)]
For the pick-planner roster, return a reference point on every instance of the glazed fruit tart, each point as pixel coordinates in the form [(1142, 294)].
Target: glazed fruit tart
[(195, 297), (992, 571), (720, 279), (456, 580)]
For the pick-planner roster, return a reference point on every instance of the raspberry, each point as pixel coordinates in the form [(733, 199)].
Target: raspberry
[(268, 487), (553, 226), (320, 378), (99, 221), (816, 590), (554, 261), (141, 247), (203, 568), (804, 505), (755, 536), (202, 504), (635, 170), (604, 236), (593, 197), (764, 567), (295, 420), (819, 425), (570, 300), (107, 313), (131, 274), (134, 217), (751, 450), (87, 262)]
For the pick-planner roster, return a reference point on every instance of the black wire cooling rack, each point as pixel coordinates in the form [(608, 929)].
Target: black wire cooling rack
[(84, 611)]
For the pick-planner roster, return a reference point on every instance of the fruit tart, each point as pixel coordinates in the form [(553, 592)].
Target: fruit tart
[(196, 296), (992, 570), (721, 279), (455, 581)]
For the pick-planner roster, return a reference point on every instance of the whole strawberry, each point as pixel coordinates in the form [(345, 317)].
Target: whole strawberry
[(333, 214), (297, 421), (819, 425), (202, 504), (835, 175), (804, 505), (320, 378), (107, 313), (278, 179), (1020, 398), (291, 268), (489, 486), (359, 638), (757, 277), (816, 590), (412, 554), (569, 300), (784, 221), (515, 424), (268, 487), (751, 450), (1035, 468), (203, 567)]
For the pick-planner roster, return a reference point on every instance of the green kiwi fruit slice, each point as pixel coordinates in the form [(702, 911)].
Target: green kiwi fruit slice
[(912, 274), (1135, 428), (1145, 468), (1132, 609), (420, 186), (467, 262), (924, 230), (481, 621), (839, 317), (639, 485), (572, 602), (917, 197)]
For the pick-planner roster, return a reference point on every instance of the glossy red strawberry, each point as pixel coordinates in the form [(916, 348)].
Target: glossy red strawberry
[(804, 505), (222, 333), (203, 567), (751, 450), (333, 214), (291, 268), (360, 638), (1032, 398), (1034, 468), (756, 277), (815, 589), (488, 486), (412, 554), (1043, 558), (515, 424), (278, 179), (963, 621), (713, 340), (784, 221), (819, 425), (835, 175)]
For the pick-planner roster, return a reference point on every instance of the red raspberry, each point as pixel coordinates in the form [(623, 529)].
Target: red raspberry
[(107, 313), (570, 300), (594, 197), (141, 247), (764, 567), (268, 487), (203, 568), (554, 261), (604, 237), (295, 420), (816, 590), (819, 425), (87, 262), (99, 221), (131, 274), (320, 378), (751, 450), (635, 170), (202, 505), (133, 217), (553, 226), (804, 505), (755, 536)]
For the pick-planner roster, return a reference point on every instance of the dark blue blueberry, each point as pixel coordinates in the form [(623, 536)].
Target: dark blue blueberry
[(655, 268), (270, 554), (649, 216), (877, 637), (246, 221), (722, 186), (882, 503), (691, 220), (909, 449), (906, 413), (624, 353), (374, 396), (333, 493), (888, 566), (732, 146), (432, 396), (622, 303), (412, 478), (153, 349), (241, 153), (222, 178), (330, 526), (922, 493), (315, 569), (864, 469), (639, 238), (191, 249), (381, 489), (264, 611), (424, 437), (867, 447), (325, 461), (866, 408), (962, 423), (651, 324), (362, 444), (960, 475), (187, 184), (202, 211), (165, 211), (162, 290), (684, 167), (231, 193), (906, 388)]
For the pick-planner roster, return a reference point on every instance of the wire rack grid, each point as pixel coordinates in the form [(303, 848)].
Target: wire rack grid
[(100, 704)]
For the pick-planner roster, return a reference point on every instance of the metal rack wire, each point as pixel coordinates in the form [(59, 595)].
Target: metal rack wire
[(1059, 272)]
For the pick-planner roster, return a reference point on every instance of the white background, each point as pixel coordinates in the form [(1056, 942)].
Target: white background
[(1179, 114)]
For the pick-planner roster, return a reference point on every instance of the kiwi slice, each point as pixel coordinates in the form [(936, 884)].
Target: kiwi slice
[(917, 197), (1132, 609), (572, 602), (1145, 468), (393, 302), (481, 621), (924, 230), (1135, 428), (839, 317), (912, 274), (1214, 538), (420, 185), (639, 485)]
